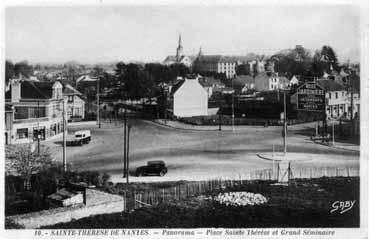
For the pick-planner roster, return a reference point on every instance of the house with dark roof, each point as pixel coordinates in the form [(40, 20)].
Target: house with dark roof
[(34, 111), (75, 103), (243, 83), (338, 99)]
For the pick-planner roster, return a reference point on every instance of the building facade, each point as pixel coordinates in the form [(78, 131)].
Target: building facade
[(339, 100), (75, 104), (217, 63), (189, 98), (34, 110), (270, 82)]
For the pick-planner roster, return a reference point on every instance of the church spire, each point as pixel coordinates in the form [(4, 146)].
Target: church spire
[(179, 48)]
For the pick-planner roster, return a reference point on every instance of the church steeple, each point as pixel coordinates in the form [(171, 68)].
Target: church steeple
[(179, 48), (200, 52)]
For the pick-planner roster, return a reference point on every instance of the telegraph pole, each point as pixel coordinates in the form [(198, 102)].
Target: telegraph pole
[(333, 133), (284, 123), (232, 106), (352, 104), (64, 140), (127, 153), (125, 143), (38, 128), (98, 102)]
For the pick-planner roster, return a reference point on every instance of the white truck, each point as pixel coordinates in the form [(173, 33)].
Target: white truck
[(80, 137)]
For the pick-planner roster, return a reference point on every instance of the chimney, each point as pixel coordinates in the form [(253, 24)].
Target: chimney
[(15, 90)]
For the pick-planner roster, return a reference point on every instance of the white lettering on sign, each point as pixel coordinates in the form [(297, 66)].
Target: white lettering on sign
[(343, 206)]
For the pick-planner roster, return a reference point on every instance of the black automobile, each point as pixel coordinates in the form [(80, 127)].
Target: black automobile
[(152, 168)]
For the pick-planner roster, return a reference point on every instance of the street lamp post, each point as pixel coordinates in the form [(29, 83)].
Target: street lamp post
[(284, 123), (333, 132), (64, 140), (232, 106), (98, 102), (127, 153)]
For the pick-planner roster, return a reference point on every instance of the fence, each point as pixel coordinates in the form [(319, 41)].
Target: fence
[(138, 199)]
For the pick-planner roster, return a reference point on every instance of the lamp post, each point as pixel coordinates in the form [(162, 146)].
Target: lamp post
[(98, 102), (333, 132), (284, 123), (127, 152), (64, 140), (232, 106)]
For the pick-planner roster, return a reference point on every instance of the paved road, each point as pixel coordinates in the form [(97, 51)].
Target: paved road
[(193, 154)]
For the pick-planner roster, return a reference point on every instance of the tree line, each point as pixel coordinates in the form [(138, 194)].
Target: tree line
[(299, 61)]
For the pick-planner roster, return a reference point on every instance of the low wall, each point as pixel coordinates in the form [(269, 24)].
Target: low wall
[(66, 214)]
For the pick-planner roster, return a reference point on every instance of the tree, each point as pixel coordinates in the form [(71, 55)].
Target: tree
[(178, 70), (295, 61), (317, 66), (23, 68), (329, 57), (9, 71), (23, 161), (243, 69)]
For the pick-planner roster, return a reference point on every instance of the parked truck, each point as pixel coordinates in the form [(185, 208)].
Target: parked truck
[(80, 137)]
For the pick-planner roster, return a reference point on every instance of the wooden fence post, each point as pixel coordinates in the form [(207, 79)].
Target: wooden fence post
[(163, 195)]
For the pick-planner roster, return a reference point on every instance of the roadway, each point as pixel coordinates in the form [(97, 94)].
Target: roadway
[(195, 155)]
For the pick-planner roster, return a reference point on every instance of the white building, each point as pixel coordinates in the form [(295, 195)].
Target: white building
[(270, 82), (294, 81), (75, 104), (189, 98), (338, 100)]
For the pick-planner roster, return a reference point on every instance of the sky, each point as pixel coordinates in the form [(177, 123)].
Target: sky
[(149, 33)]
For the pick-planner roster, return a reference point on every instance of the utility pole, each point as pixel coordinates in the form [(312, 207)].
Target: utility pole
[(98, 102), (333, 133), (284, 123), (124, 142), (64, 140), (324, 121), (38, 128), (220, 115), (352, 104), (127, 153), (232, 106), (220, 122)]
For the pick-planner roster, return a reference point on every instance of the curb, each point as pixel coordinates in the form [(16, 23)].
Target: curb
[(173, 127), (335, 147), (265, 158)]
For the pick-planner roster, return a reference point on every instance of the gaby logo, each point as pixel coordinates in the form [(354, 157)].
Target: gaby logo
[(342, 206)]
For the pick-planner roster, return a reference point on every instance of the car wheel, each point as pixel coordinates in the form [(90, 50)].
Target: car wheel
[(162, 173), (139, 174)]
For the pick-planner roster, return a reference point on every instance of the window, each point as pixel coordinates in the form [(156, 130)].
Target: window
[(70, 98), (29, 112), (330, 95), (22, 133), (336, 95)]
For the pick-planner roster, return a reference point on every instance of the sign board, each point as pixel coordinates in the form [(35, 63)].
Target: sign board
[(311, 97)]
